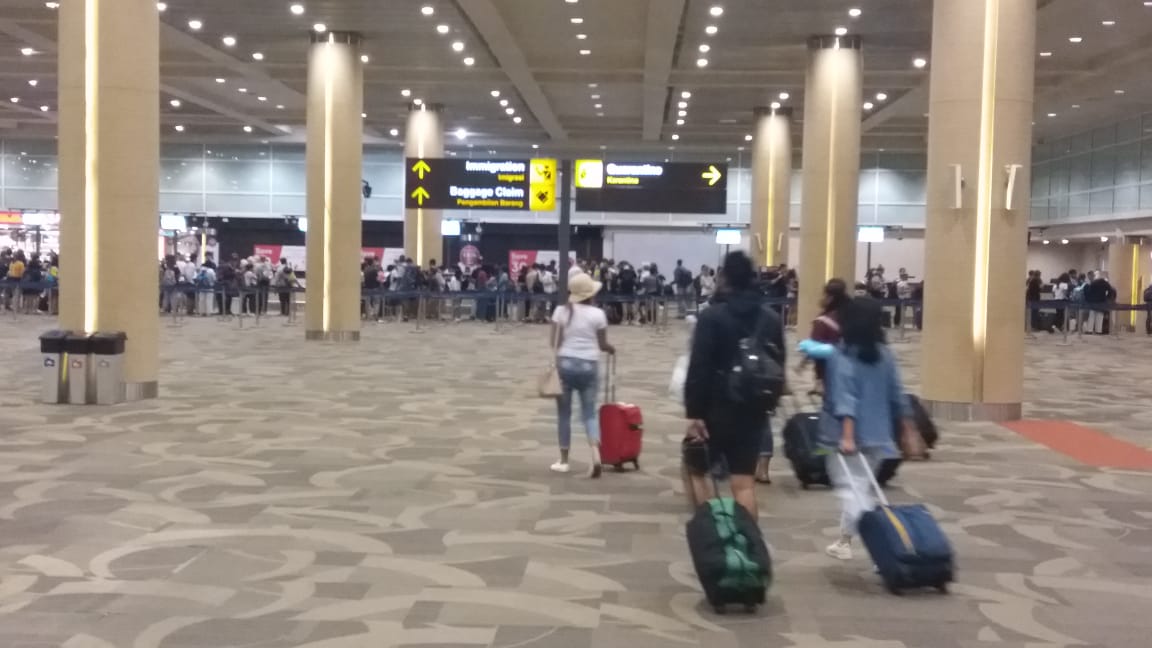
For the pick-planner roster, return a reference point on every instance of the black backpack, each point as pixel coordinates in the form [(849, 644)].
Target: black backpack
[(1148, 295), (757, 377)]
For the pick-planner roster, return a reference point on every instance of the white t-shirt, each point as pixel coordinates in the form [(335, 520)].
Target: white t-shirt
[(580, 335), (549, 281)]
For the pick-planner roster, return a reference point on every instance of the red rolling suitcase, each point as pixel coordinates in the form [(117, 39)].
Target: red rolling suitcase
[(621, 426)]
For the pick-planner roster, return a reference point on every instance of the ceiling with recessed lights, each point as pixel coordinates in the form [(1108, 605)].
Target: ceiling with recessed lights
[(576, 74)]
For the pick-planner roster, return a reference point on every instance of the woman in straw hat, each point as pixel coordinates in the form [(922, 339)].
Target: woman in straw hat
[(579, 335)]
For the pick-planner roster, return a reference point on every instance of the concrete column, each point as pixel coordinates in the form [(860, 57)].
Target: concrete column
[(771, 186), (335, 155), (109, 149), (983, 76), (833, 100), (423, 138), (1126, 257)]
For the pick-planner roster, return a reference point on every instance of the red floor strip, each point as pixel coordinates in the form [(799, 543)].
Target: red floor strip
[(1084, 444)]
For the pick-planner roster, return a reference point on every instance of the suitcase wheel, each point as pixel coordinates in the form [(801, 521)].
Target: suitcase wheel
[(720, 609), (619, 467), (636, 463), (750, 608), (804, 485), (942, 588)]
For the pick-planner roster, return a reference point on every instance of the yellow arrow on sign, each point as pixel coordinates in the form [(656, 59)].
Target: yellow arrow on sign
[(420, 195), (712, 175), (420, 168)]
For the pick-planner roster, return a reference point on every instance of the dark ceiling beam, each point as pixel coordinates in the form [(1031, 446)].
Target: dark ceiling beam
[(662, 32)]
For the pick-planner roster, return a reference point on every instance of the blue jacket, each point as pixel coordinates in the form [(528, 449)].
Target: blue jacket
[(873, 395)]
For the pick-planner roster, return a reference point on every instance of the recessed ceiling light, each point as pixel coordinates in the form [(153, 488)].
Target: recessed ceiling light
[(297, 9), (427, 10), (1051, 115), (1108, 23), (1103, 239), (503, 102), (510, 110), (320, 28), (52, 5), (593, 85), (247, 129), (682, 113), (33, 82), (443, 29), (577, 21), (1046, 242), (855, 12), (461, 134), (1063, 241), (682, 104), (279, 106), (880, 96), (43, 108), (675, 136), (919, 62), (229, 41), (585, 52), (716, 11), (535, 146), (195, 25), (598, 106), (261, 98), (458, 46), (364, 58), (259, 56), (784, 96), (495, 93), (405, 93), (175, 103), (468, 60), (685, 95), (363, 115), (748, 138), (679, 122), (595, 96), (394, 132), (1076, 106), (15, 100), (701, 62), (841, 31), (1075, 39), (581, 36), (774, 105), (711, 30), (868, 105), (517, 119), (417, 102), (600, 115), (179, 128), (1119, 92), (705, 48), (27, 51), (242, 90)]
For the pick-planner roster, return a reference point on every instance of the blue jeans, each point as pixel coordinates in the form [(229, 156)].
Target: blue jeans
[(583, 377)]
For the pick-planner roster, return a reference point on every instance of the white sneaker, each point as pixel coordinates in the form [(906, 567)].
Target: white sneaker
[(839, 550), (560, 467)]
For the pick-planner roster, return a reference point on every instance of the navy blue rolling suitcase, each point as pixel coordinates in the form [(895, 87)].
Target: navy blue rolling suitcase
[(908, 546)]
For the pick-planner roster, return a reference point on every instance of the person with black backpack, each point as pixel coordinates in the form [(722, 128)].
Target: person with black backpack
[(735, 376)]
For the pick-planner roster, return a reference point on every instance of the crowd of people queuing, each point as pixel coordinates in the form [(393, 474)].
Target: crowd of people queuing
[(26, 280), (237, 286)]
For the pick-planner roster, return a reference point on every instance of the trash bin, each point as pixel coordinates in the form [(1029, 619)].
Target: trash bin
[(53, 389), (76, 350), (107, 361)]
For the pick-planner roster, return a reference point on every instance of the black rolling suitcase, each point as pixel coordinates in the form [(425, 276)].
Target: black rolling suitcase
[(800, 434), (730, 555)]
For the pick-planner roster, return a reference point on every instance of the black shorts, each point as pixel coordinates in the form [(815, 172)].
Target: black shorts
[(738, 450)]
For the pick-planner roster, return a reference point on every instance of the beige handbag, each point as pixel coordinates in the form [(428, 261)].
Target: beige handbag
[(549, 383)]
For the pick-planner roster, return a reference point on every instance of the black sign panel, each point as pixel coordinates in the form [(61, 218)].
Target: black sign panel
[(436, 183), (672, 187)]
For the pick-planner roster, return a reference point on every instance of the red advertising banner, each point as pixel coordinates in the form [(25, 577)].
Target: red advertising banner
[(518, 259)]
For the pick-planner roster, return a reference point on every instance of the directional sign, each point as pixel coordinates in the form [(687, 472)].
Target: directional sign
[(437, 183), (657, 187)]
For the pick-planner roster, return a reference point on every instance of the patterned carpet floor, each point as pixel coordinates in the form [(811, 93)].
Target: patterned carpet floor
[(396, 492)]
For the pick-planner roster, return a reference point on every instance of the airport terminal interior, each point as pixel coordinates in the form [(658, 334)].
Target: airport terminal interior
[(276, 277)]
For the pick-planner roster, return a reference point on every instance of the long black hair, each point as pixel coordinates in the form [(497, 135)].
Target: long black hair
[(835, 296), (862, 323)]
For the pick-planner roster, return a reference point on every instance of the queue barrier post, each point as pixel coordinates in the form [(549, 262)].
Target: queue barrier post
[(420, 307)]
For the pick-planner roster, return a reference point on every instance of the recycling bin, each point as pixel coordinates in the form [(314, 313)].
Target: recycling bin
[(106, 368), (53, 388), (76, 363)]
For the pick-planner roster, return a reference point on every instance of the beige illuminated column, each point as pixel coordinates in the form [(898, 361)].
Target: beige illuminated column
[(771, 186), (977, 229), (335, 154), (1125, 269), (423, 138), (109, 139), (833, 99)]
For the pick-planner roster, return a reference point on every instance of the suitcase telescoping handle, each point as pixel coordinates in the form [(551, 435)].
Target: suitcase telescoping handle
[(610, 379), (880, 497)]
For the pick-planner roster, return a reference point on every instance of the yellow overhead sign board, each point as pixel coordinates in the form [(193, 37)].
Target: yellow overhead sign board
[(589, 174)]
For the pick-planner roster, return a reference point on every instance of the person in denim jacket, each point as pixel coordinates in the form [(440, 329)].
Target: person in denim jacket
[(864, 397)]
